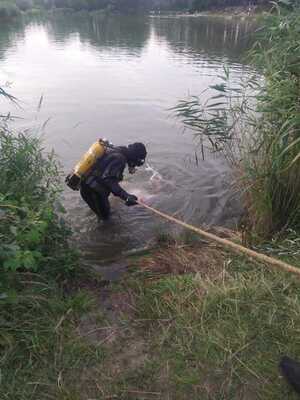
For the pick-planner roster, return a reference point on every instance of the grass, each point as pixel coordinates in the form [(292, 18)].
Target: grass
[(39, 346), (222, 340), (214, 330)]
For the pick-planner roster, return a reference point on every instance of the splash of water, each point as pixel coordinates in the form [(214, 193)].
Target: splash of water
[(154, 185), (155, 174)]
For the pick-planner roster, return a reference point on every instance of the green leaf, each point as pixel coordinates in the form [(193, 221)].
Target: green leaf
[(29, 261), (33, 236), (291, 145), (12, 264)]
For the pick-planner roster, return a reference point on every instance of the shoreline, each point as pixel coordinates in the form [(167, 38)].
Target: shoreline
[(228, 13)]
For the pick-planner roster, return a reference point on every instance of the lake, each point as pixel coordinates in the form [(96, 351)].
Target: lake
[(117, 77)]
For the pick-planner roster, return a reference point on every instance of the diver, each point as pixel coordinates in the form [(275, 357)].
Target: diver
[(105, 175)]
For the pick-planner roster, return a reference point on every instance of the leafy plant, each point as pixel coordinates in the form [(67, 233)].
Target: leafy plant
[(219, 122), (29, 184)]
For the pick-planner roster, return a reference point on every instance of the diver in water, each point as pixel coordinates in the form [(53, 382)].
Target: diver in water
[(105, 177)]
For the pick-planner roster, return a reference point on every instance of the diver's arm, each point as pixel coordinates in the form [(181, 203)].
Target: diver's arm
[(115, 188), (113, 174), (111, 178)]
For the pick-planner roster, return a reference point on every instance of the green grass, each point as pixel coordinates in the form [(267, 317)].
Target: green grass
[(41, 352), (208, 337)]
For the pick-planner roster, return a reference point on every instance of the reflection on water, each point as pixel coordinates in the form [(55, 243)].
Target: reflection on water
[(103, 32), (223, 38), (116, 77)]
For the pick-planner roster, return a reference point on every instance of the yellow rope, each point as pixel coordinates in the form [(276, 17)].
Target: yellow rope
[(228, 243)]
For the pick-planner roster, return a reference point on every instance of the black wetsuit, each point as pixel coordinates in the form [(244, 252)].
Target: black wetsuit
[(104, 180)]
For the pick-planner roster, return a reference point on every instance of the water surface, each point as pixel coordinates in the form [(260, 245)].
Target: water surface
[(116, 77)]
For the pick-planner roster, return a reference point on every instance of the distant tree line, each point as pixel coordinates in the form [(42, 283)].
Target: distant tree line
[(201, 5), (9, 8)]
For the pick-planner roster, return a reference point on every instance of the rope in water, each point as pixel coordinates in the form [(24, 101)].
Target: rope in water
[(228, 243)]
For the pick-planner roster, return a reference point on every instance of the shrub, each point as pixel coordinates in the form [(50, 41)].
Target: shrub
[(31, 235)]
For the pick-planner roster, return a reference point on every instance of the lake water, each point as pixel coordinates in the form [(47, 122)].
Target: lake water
[(117, 77)]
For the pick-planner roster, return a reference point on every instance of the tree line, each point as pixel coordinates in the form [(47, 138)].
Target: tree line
[(10, 8)]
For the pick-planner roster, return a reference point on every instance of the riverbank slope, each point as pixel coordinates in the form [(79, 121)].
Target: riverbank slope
[(186, 320), (190, 320)]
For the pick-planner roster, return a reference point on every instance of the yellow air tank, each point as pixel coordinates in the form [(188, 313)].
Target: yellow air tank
[(85, 164)]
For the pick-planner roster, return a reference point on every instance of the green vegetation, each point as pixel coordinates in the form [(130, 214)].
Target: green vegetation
[(28, 187), (38, 340), (190, 322), (222, 338), (256, 124), (276, 164), (13, 8), (187, 321)]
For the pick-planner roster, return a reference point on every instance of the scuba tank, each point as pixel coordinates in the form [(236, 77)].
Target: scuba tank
[(86, 163)]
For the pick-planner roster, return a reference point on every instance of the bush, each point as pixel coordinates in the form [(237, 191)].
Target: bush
[(31, 235)]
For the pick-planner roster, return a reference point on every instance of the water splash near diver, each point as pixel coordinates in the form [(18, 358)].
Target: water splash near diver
[(153, 186), (155, 174)]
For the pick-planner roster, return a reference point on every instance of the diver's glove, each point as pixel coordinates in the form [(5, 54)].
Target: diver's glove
[(131, 200)]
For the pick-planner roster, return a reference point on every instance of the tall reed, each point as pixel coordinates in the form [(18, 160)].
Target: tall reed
[(256, 124)]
